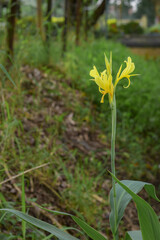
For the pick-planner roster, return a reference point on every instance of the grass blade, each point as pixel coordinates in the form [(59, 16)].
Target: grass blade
[(7, 74), (91, 232), (23, 208), (41, 224)]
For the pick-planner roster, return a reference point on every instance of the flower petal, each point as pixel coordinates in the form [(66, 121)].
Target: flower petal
[(126, 72), (129, 82), (94, 73), (102, 98), (99, 82), (108, 65), (117, 77)]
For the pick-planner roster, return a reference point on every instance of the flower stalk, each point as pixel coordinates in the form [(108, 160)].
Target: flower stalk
[(113, 169), (107, 86)]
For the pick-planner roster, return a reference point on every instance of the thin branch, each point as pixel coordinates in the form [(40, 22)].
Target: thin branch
[(20, 174)]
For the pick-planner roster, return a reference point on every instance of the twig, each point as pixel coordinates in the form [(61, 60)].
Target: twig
[(20, 174)]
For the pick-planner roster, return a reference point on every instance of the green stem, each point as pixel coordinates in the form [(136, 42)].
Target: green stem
[(113, 110)]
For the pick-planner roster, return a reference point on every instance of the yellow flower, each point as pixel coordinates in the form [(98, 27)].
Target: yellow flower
[(104, 81), (126, 72)]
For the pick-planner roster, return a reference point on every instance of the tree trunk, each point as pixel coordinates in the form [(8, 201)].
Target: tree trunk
[(86, 18), (72, 7), (1, 15), (65, 28), (78, 19), (106, 17), (86, 26), (40, 19), (49, 18), (69, 17), (19, 9), (11, 22), (97, 13)]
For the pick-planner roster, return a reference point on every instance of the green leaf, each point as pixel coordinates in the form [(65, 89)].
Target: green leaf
[(123, 198), (7, 74), (41, 224), (134, 235), (149, 223), (4, 236), (91, 232)]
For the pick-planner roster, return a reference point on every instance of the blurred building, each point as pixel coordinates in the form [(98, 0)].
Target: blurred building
[(147, 10), (120, 11), (124, 13)]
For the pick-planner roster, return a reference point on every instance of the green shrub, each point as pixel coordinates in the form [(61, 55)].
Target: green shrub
[(26, 24), (154, 29), (132, 28)]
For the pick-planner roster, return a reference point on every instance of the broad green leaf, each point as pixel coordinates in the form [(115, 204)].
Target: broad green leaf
[(41, 224), (134, 235), (91, 232), (7, 74), (149, 223), (123, 198)]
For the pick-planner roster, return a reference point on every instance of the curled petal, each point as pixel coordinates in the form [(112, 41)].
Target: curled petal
[(129, 82), (104, 93), (102, 98)]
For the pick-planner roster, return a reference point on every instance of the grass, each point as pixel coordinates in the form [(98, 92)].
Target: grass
[(76, 66), (34, 134), (23, 207), (54, 115)]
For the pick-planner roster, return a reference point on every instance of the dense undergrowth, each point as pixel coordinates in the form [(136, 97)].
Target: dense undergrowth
[(54, 115)]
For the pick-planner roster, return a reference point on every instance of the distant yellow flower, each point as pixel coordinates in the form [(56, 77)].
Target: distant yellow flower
[(104, 81), (57, 19)]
